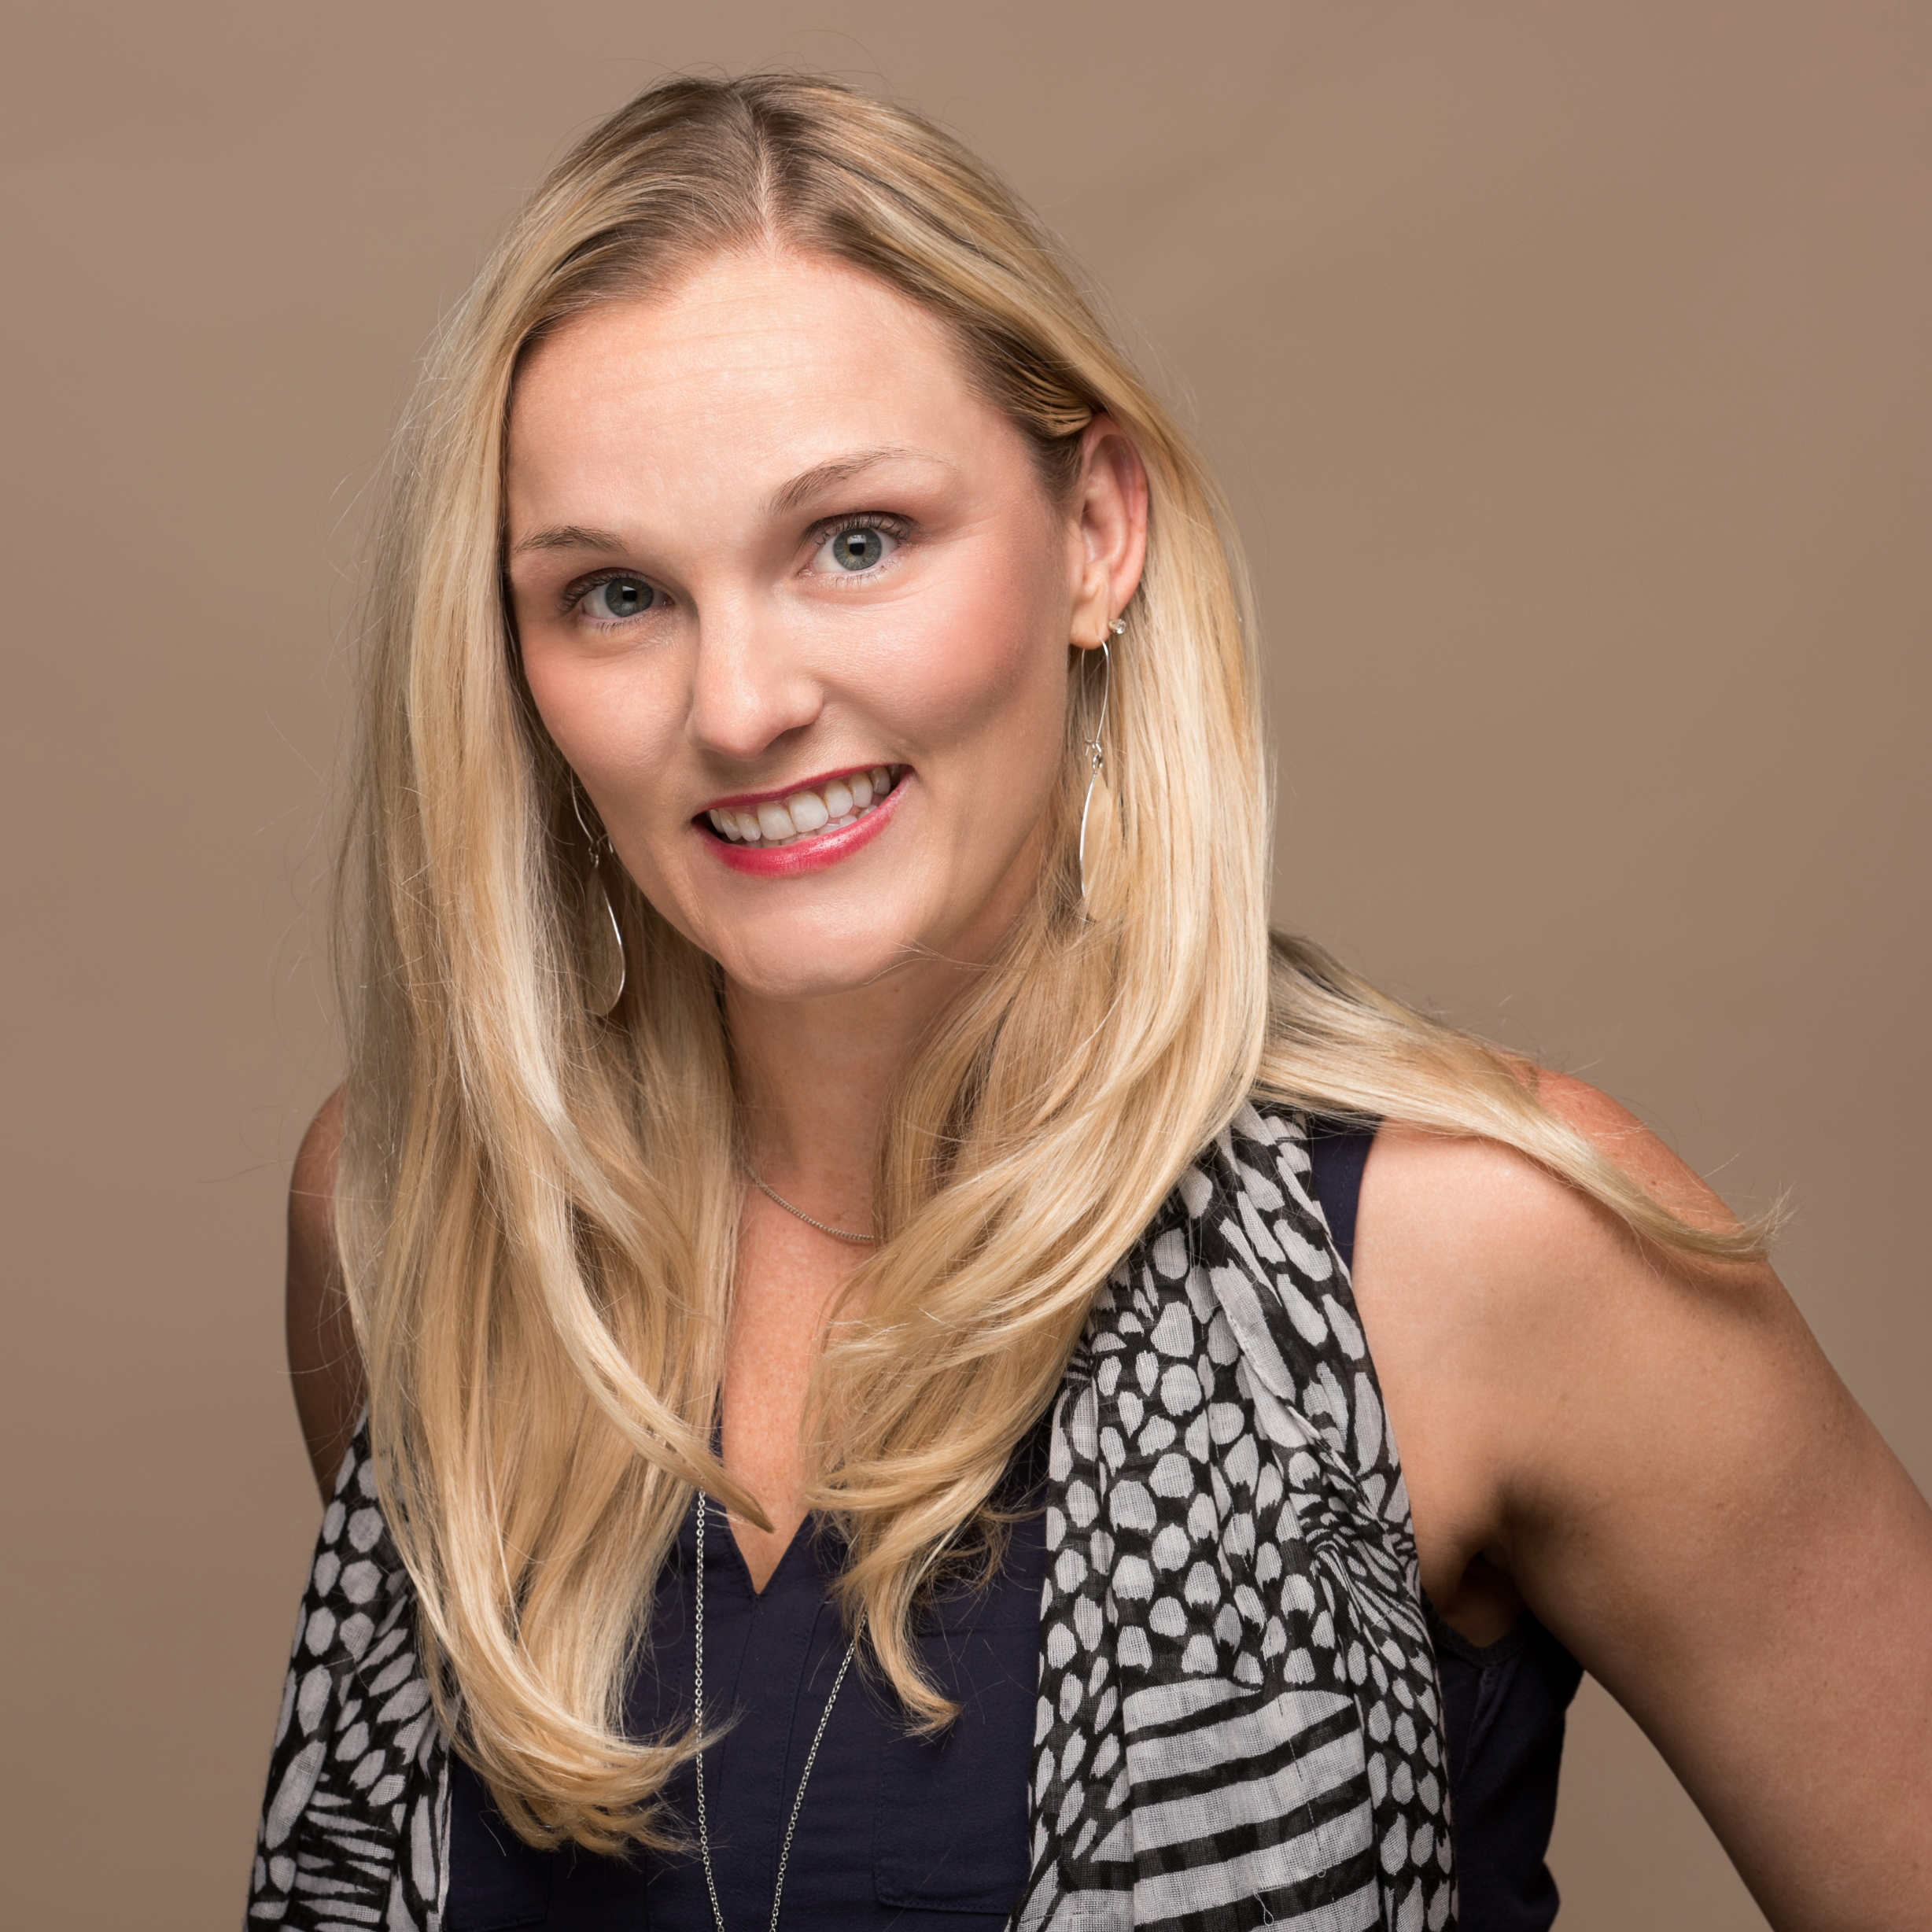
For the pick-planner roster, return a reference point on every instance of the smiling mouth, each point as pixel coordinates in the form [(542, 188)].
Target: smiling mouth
[(831, 805)]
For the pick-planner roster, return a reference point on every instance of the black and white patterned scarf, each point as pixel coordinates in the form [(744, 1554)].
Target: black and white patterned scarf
[(1239, 1719)]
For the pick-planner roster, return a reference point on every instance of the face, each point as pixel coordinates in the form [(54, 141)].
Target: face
[(795, 605)]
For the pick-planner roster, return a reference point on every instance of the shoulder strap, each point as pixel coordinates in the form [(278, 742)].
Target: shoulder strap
[(1338, 1151)]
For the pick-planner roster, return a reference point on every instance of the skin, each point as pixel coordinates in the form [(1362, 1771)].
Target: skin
[(1652, 1455)]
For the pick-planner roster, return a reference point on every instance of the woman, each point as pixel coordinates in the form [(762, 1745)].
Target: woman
[(882, 1303)]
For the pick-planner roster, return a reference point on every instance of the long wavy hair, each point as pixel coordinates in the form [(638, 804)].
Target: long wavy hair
[(537, 1207)]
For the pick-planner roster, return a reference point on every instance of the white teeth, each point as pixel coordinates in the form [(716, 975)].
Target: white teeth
[(840, 802), (807, 809)]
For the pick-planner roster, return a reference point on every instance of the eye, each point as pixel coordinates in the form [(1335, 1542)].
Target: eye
[(858, 546), (616, 600)]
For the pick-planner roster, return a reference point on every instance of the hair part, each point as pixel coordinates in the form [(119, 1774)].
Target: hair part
[(538, 1209)]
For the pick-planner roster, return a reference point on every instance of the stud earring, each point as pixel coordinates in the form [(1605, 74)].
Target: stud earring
[(1096, 750), (605, 966)]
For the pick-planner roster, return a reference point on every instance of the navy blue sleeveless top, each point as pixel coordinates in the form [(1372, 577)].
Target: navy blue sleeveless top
[(1504, 1703), (906, 1832), (895, 1830)]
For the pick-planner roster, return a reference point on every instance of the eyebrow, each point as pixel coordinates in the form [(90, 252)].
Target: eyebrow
[(823, 476), (569, 537)]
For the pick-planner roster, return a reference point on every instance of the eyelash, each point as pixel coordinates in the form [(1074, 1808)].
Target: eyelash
[(574, 596), (822, 533), (896, 528)]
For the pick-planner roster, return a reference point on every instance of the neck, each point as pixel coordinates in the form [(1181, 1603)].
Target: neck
[(815, 1077)]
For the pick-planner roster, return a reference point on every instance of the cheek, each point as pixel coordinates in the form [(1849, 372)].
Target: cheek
[(609, 734), (559, 702), (989, 674), (605, 720)]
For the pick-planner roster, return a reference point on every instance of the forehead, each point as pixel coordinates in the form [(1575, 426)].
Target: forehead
[(754, 365)]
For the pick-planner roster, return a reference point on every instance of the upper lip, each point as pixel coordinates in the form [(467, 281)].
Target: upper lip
[(748, 801)]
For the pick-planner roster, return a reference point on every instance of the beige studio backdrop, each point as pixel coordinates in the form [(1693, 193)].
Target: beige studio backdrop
[(1569, 366)]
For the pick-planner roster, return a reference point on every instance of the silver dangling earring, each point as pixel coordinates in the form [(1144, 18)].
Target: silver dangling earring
[(1096, 755), (605, 969)]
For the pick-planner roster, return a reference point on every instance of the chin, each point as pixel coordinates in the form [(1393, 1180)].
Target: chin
[(809, 964)]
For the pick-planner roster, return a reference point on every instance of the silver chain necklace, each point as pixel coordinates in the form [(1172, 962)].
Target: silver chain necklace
[(804, 1776), (838, 1234)]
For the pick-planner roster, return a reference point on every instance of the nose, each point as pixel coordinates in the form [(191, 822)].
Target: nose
[(750, 689)]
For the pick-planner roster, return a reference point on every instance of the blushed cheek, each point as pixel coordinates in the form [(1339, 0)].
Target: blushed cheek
[(992, 669), (609, 732)]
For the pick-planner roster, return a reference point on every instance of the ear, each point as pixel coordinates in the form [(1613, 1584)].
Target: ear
[(1111, 530)]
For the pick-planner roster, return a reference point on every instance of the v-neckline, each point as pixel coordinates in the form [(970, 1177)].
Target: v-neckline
[(807, 1529), (731, 1529)]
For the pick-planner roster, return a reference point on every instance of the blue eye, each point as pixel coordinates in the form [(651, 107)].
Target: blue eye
[(859, 546), (617, 598)]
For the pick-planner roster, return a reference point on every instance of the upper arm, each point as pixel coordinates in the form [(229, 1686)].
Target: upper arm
[(324, 1365), (1660, 1455)]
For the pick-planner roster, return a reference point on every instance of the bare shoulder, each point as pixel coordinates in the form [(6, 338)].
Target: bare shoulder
[(1475, 1256), (1528, 1342), (311, 1185), (324, 1365), (1650, 1450)]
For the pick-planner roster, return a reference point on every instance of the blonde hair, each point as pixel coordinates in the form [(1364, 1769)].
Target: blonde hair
[(537, 1208)]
